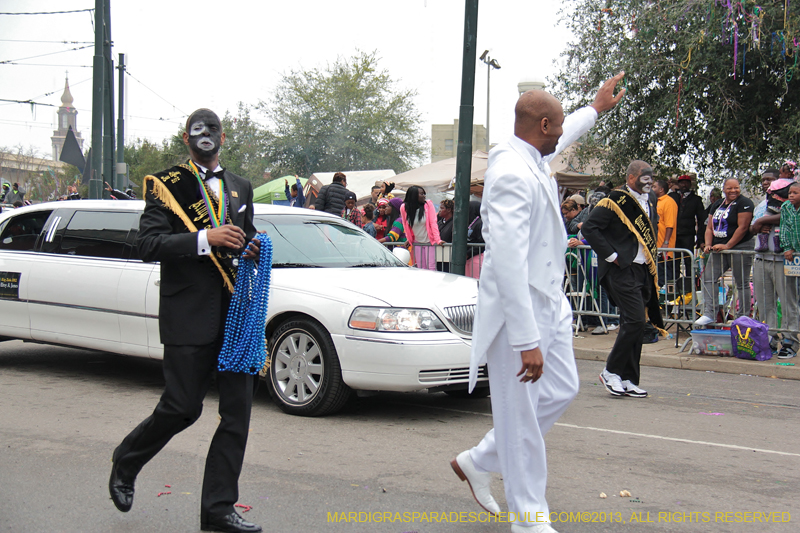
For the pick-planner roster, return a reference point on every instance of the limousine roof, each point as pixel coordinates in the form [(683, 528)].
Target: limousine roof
[(138, 205)]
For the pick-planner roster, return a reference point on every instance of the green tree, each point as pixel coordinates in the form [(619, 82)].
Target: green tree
[(246, 146), (146, 157), (242, 154), (346, 116), (711, 86)]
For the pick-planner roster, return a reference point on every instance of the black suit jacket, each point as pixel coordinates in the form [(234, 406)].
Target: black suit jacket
[(194, 301), (606, 234)]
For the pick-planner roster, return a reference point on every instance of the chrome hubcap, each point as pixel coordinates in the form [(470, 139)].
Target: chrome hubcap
[(298, 368)]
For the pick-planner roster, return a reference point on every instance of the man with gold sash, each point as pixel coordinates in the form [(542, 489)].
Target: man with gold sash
[(620, 229), (196, 223)]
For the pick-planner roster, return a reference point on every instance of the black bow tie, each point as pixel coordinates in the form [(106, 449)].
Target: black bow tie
[(210, 174)]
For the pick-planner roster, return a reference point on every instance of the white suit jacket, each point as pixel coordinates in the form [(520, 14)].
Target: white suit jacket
[(525, 241)]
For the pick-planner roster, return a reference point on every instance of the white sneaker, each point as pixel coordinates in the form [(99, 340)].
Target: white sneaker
[(478, 482), (786, 352), (612, 383), (632, 390), (612, 327), (703, 321), (538, 528)]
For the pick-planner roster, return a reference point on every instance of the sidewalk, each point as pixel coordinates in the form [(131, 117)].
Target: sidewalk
[(664, 354)]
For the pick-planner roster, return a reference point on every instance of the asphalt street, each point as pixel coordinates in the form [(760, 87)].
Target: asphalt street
[(702, 448)]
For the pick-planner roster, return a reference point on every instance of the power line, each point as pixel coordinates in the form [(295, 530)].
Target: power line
[(46, 42), (155, 93), (31, 102), (44, 65), (47, 54), (51, 12), (45, 95)]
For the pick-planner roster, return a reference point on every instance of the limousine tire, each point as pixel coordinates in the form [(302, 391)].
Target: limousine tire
[(304, 376)]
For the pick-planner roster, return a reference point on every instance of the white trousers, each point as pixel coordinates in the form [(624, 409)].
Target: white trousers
[(524, 412)]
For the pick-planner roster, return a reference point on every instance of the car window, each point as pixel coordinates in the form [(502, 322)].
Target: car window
[(98, 233), (21, 231), (301, 241)]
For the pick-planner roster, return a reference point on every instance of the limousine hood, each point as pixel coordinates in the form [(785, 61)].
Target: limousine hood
[(394, 287)]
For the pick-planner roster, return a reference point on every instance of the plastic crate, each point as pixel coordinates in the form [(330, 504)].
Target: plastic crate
[(711, 342)]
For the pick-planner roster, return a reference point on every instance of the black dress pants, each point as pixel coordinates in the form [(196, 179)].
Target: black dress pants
[(188, 372), (630, 289)]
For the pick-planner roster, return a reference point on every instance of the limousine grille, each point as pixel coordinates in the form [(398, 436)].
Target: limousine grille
[(461, 317)]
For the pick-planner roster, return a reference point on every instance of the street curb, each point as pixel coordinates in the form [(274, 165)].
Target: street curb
[(710, 363)]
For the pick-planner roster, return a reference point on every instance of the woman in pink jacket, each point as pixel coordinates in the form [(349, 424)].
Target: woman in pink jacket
[(421, 229)]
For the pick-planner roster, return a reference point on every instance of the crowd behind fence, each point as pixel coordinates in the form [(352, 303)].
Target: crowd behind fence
[(727, 282)]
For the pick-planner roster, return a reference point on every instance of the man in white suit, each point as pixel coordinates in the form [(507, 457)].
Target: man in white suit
[(523, 323)]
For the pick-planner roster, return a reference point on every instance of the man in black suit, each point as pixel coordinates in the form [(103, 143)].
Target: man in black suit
[(621, 231), (196, 222)]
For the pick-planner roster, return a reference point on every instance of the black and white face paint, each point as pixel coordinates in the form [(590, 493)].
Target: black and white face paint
[(644, 183), (205, 133)]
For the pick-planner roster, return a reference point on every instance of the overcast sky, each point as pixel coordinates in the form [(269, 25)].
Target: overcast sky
[(186, 55)]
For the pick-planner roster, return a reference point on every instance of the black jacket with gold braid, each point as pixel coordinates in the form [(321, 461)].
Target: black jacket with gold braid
[(194, 297), (606, 234)]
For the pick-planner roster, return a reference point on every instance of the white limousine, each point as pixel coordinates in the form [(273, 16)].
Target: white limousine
[(344, 313)]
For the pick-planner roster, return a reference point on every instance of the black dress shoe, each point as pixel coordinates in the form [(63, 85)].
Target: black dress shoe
[(121, 490), (230, 523)]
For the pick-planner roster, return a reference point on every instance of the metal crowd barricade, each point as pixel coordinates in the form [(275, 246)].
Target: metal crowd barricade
[(753, 286), (682, 287), (441, 254)]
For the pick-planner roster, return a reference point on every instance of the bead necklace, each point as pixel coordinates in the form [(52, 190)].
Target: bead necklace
[(243, 348), (217, 220)]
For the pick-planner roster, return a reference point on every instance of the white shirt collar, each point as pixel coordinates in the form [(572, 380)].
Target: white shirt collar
[(204, 169)]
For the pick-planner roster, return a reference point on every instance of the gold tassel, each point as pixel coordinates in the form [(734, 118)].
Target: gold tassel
[(163, 194)]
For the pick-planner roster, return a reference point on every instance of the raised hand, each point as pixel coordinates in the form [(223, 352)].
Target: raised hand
[(605, 98)]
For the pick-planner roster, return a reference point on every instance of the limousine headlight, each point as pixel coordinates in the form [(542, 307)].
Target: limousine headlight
[(395, 319)]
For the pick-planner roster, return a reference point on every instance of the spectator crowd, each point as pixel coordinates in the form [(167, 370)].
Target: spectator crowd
[(699, 243)]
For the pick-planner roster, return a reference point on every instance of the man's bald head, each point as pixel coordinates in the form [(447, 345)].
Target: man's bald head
[(538, 120), (204, 137), (636, 167), (533, 106), (200, 114), (640, 176)]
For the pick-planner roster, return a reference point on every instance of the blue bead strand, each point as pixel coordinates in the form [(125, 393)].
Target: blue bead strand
[(243, 348)]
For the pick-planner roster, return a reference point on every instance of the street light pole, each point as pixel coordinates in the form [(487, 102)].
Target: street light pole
[(490, 64)]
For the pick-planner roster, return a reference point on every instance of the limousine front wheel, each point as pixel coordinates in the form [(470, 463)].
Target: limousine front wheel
[(304, 375)]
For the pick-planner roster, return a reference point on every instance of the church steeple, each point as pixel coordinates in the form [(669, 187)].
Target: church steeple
[(66, 98), (67, 118)]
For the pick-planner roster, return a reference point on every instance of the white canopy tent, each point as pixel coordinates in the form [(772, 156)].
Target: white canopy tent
[(440, 175)]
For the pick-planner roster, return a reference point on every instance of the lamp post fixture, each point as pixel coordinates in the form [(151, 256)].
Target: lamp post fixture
[(490, 64)]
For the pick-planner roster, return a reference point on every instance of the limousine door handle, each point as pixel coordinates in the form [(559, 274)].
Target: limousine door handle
[(157, 283)]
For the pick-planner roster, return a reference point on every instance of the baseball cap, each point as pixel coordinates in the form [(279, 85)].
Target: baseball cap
[(578, 199), (685, 177)]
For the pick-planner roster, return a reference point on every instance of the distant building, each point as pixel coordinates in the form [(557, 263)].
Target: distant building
[(444, 140), (27, 169), (67, 116)]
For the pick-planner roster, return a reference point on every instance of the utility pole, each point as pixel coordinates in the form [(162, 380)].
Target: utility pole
[(122, 171), (95, 183), (458, 260), (109, 172)]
